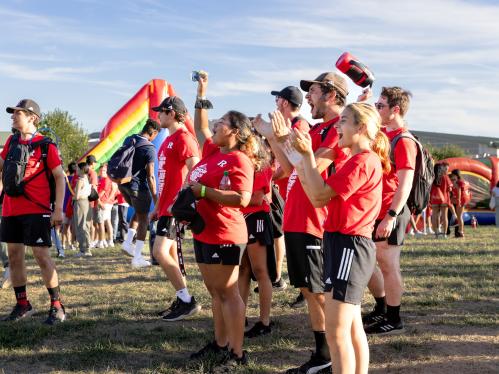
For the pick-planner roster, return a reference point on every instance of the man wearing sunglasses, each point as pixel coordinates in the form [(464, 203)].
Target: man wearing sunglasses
[(386, 283)]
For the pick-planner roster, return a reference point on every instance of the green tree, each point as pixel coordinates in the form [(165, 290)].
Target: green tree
[(72, 138), (447, 151)]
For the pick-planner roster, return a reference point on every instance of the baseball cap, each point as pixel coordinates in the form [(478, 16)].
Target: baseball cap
[(290, 93), (171, 103), (184, 211), (329, 79), (26, 104)]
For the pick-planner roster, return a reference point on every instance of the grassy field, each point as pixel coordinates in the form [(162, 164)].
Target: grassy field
[(451, 308)]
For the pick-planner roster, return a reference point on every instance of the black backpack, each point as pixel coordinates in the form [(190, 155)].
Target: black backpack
[(120, 165), (14, 168), (423, 174)]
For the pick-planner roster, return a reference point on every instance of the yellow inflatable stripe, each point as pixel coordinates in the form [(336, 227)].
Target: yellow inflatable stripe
[(117, 134)]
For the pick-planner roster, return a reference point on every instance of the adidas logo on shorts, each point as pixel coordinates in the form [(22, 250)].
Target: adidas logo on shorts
[(251, 236), (215, 255), (328, 281), (39, 241)]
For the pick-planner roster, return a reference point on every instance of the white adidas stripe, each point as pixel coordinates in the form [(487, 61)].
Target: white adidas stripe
[(341, 263), (347, 274)]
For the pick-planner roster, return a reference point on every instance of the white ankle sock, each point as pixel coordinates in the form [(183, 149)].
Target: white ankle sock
[(129, 236), (184, 295), (139, 244)]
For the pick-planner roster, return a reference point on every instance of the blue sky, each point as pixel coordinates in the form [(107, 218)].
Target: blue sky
[(89, 57)]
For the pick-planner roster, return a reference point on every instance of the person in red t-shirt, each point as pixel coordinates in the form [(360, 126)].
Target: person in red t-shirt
[(223, 181), (177, 155), (288, 101), (353, 197), (27, 218), (389, 232), (440, 200), (107, 190), (303, 223), (260, 249), (460, 197)]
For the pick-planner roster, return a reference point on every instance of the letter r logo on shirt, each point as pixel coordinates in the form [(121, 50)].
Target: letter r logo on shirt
[(222, 163)]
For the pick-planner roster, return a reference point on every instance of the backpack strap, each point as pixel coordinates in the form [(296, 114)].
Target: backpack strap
[(419, 156), (44, 147)]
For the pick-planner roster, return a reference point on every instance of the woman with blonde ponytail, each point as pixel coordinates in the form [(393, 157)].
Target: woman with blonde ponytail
[(353, 197)]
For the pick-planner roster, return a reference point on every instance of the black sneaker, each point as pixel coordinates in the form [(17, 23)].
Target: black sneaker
[(20, 312), (258, 329), (230, 362), (314, 365), (167, 310), (56, 315), (299, 302), (276, 286), (181, 310), (279, 285), (384, 327), (373, 317), (210, 349)]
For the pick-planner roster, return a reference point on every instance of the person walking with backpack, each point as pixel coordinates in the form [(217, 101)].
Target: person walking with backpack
[(140, 190), (386, 283), (32, 207), (177, 155)]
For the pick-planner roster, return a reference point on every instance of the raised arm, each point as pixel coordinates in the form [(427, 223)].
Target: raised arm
[(201, 124)]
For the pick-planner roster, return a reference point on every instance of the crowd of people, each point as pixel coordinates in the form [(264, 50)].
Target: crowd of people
[(331, 198)]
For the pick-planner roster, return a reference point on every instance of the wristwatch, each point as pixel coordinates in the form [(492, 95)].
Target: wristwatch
[(392, 213)]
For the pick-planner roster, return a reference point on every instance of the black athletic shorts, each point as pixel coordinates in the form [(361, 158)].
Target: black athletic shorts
[(305, 261), (276, 212), (166, 227), (225, 254), (29, 229), (259, 228), (349, 263), (397, 235), (138, 200)]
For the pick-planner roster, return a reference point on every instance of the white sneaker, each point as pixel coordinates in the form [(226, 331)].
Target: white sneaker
[(5, 281), (140, 263), (411, 232), (92, 244), (129, 248), (110, 243)]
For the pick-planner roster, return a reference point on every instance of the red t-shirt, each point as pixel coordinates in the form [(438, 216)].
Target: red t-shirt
[(120, 199), (465, 191), (262, 180), (299, 213), (37, 191), (223, 224), (172, 170), (404, 154), (105, 190), (441, 194), (282, 183), (359, 186)]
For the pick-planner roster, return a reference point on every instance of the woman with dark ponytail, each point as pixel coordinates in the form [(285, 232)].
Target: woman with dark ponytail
[(222, 182), (440, 200)]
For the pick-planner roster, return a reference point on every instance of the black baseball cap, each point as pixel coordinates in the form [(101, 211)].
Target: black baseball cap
[(27, 105), (171, 103), (290, 93), (328, 79)]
